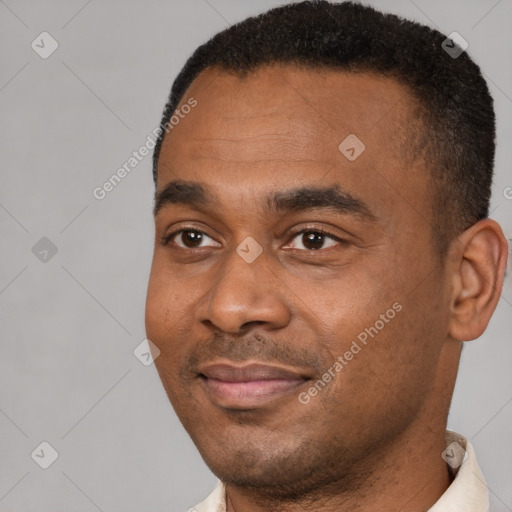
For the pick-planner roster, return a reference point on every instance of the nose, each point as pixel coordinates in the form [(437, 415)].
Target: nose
[(245, 295)]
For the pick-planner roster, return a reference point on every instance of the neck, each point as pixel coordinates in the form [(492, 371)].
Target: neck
[(410, 475)]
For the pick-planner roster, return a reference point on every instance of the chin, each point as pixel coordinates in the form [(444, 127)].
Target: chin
[(269, 461)]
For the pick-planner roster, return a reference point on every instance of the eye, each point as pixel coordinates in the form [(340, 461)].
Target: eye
[(314, 239), (190, 239)]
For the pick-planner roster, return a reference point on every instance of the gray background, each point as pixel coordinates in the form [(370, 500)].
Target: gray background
[(69, 325)]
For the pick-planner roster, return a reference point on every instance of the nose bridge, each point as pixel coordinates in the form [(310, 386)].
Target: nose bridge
[(245, 291)]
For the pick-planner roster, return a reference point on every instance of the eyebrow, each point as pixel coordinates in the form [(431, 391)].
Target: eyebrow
[(181, 192), (331, 197), (296, 199)]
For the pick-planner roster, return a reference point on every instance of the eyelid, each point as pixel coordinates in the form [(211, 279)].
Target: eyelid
[(317, 229), (164, 240), (305, 229)]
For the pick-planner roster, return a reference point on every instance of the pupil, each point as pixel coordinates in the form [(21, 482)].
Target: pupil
[(190, 238), (312, 240)]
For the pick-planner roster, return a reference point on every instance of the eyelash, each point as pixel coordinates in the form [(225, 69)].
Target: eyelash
[(166, 239), (318, 230)]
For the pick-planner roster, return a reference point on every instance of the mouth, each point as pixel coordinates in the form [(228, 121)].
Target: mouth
[(249, 386)]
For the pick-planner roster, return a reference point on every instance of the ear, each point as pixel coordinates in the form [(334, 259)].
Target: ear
[(479, 258)]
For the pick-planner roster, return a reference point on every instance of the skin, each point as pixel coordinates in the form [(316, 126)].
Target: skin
[(372, 438)]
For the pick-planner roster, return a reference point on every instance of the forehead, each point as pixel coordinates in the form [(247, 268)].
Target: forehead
[(266, 88), (301, 111), (282, 123)]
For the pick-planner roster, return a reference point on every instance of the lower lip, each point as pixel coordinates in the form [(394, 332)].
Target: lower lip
[(246, 395)]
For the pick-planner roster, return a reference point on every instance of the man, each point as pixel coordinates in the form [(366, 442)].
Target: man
[(322, 250)]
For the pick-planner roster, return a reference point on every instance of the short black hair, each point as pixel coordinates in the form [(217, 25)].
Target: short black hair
[(456, 136)]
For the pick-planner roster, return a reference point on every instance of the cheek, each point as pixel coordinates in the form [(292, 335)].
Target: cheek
[(169, 318), (349, 305), (167, 298), (157, 308), (164, 316), (385, 379), (399, 362), (163, 328), (388, 338)]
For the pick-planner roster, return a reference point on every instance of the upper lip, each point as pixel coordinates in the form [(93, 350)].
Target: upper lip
[(229, 372)]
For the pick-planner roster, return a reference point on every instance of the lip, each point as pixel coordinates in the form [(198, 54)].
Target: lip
[(249, 385)]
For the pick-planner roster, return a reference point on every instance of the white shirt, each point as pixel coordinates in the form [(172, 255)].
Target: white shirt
[(467, 492)]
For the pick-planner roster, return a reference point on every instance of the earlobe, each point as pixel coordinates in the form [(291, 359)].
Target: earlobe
[(480, 258)]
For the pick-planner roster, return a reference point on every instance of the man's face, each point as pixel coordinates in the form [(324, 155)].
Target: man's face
[(283, 251)]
